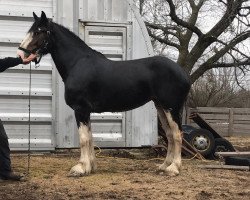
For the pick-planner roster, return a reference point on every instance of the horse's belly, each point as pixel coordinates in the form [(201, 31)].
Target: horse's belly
[(118, 104)]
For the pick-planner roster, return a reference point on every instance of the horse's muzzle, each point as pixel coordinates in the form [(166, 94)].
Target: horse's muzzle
[(22, 54)]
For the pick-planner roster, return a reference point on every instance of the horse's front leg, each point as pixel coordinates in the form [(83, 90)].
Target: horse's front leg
[(87, 162)]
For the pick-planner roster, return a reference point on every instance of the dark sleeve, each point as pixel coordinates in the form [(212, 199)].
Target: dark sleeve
[(5, 63)]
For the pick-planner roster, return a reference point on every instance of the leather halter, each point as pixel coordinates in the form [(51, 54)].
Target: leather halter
[(38, 50)]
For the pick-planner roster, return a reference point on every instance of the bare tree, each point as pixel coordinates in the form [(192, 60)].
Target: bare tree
[(217, 88), (204, 34)]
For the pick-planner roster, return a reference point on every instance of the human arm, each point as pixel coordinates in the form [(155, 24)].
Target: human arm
[(8, 62), (5, 63)]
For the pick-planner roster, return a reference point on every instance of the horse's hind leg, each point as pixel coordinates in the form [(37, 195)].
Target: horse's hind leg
[(168, 132), (87, 162), (171, 123), (173, 118)]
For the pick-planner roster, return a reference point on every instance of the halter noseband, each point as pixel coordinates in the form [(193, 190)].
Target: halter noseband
[(38, 50)]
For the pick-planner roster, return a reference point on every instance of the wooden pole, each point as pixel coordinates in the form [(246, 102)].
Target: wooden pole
[(231, 122), (231, 167), (238, 154)]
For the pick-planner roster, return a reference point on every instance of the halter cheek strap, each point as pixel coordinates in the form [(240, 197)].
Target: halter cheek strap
[(38, 50), (28, 51)]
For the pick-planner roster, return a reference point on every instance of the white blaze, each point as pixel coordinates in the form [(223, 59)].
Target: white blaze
[(26, 40)]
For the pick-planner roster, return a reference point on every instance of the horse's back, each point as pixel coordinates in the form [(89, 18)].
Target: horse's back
[(158, 70), (156, 65)]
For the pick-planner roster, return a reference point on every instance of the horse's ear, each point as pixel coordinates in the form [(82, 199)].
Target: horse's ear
[(35, 16), (44, 19)]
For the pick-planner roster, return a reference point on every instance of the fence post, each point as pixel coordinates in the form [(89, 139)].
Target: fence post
[(231, 122)]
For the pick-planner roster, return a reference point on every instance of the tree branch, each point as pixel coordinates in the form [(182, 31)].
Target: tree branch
[(192, 3), (237, 50), (230, 14), (220, 53), (180, 22), (165, 29), (162, 40), (211, 36), (203, 68), (235, 64), (211, 62)]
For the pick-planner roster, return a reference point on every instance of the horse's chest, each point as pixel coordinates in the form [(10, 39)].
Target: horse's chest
[(81, 97)]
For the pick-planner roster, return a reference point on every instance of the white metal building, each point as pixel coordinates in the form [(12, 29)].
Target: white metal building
[(112, 27)]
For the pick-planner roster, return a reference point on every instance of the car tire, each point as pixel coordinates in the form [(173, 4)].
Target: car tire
[(202, 140), (221, 145)]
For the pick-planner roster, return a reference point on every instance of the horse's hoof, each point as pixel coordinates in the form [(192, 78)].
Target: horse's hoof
[(79, 170), (162, 167), (172, 170)]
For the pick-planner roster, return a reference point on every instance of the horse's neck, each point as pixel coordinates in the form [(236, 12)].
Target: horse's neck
[(65, 51)]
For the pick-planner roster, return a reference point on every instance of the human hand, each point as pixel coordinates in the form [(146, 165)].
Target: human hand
[(29, 59), (26, 60)]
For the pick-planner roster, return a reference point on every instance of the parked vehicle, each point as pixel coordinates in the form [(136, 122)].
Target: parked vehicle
[(205, 139)]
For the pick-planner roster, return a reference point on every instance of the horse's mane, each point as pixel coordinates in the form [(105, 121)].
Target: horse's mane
[(73, 35)]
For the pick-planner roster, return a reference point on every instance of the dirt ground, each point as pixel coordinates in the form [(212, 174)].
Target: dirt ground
[(122, 178)]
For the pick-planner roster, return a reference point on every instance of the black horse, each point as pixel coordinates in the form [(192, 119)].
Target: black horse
[(94, 83)]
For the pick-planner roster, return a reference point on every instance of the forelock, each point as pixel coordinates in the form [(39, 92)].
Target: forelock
[(37, 24), (34, 26)]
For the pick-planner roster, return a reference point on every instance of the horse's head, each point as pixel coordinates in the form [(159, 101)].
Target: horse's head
[(37, 40)]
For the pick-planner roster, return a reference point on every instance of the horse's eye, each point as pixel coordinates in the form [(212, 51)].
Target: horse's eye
[(36, 32)]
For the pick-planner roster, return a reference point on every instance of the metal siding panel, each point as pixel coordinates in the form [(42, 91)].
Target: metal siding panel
[(144, 126), (83, 9), (13, 31), (92, 10), (14, 104), (38, 131), (19, 80), (25, 8), (107, 130), (104, 10), (110, 41), (66, 128), (108, 10), (18, 136), (100, 10), (141, 40), (119, 10), (14, 82)]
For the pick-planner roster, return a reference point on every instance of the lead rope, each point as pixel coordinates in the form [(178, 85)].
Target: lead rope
[(28, 169)]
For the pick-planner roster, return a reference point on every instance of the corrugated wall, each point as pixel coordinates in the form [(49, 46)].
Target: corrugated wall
[(15, 20), (104, 10)]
